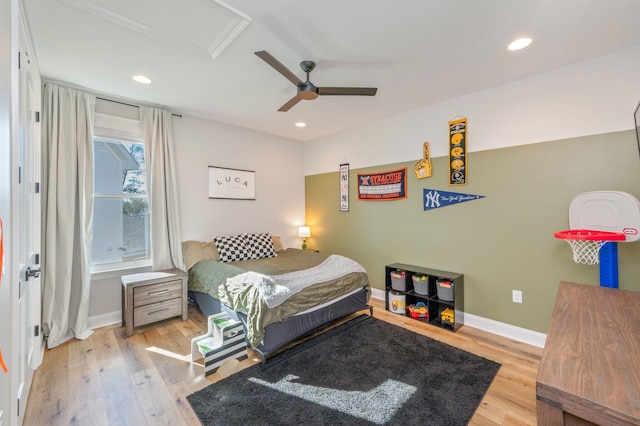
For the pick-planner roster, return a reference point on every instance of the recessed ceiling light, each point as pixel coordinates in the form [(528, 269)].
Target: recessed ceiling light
[(141, 79), (520, 43), (300, 124)]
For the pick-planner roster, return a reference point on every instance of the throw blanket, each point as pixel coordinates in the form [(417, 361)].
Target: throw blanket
[(276, 289)]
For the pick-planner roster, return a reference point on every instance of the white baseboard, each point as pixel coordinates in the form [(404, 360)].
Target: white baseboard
[(104, 320), (500, 328), (513, 332)]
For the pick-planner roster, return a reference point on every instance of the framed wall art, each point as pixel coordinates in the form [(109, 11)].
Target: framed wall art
[(232, 184)]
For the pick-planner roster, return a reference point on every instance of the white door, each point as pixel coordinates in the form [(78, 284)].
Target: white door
[(28, 227)]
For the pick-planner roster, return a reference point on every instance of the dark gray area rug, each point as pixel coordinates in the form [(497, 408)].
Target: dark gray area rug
[(364, 372)]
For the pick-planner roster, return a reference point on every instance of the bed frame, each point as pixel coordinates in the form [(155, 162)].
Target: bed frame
[(280, 334)]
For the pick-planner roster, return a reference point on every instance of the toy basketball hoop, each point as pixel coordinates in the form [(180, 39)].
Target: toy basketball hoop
[(586, 244), (598, 221)]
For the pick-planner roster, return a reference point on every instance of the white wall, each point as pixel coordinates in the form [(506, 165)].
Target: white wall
[(279, 178), (199, 143), (591, 97)]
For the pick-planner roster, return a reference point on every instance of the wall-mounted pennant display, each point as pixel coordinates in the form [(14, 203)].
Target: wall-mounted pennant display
[(423, 167), (458, 166), (383, 186), (434, 198), (344, 187)]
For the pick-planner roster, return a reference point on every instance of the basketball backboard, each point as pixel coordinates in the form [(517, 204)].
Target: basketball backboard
[(611, 211)]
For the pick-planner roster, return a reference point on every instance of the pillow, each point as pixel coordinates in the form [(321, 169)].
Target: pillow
[(195, 251), (277, 243), (260, 245), (232, 249)]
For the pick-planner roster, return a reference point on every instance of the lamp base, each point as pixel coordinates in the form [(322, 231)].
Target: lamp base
[(304, 244)]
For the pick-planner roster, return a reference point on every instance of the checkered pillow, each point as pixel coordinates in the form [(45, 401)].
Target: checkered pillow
[(231, 249), (260, 245)]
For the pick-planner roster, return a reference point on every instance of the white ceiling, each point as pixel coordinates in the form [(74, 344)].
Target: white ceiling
[(200, 53)]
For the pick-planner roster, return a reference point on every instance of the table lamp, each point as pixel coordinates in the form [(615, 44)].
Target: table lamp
[(304, 232)]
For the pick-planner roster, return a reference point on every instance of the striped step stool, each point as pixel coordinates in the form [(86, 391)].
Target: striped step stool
[(224, 340)]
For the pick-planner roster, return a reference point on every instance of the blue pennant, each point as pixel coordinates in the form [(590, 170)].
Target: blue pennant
[(434, 198)]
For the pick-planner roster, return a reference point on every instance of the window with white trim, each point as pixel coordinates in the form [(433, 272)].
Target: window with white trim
[(121, 204)]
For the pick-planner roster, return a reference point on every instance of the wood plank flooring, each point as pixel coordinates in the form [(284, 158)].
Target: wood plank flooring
[(109, 379)]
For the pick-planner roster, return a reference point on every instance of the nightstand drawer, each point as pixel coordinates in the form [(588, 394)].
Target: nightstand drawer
[(157, 311), (153, 293)]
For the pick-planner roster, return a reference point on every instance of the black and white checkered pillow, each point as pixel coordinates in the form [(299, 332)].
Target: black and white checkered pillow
[(231, 249), (260, 245)]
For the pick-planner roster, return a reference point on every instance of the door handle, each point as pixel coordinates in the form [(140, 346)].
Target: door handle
[(35, 273)]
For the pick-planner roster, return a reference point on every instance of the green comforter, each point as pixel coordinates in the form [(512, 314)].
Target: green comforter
[(213, 277)]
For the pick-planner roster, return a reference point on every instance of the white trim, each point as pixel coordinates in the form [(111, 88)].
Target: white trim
[(104, 320), (236, 26), (520, 334), (513, 332), (238, 22)]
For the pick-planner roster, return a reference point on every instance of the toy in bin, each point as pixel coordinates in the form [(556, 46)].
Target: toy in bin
[(444, 288), (399, 280), (419, 310), (421, 284), (447, 316)]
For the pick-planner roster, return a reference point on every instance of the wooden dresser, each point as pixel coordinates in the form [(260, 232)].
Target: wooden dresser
[(590, 367), (153, 296)]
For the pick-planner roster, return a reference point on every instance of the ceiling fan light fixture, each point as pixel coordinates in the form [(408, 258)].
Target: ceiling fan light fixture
[(519, 44), (142, 79), (306, 90)]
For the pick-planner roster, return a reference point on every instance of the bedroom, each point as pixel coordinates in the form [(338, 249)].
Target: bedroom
[(535, 143)]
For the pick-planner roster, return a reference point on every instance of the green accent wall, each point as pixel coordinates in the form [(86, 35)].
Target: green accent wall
[(501, 242)]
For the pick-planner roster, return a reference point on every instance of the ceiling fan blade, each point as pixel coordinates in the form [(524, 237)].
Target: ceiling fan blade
[(266, 56), (356, 91), (286, 107)]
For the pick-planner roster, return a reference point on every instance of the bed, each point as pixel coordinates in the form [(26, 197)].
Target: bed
[(279, 298)]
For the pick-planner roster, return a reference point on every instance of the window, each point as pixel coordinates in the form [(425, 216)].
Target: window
[(121, 203)]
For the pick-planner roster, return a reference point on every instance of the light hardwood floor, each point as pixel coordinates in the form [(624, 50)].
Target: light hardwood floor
[(109, 379)]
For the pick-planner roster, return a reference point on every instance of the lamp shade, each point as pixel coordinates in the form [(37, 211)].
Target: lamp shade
[(304, 232)]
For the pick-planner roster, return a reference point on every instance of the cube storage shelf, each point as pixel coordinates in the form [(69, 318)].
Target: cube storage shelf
[(437, 308)]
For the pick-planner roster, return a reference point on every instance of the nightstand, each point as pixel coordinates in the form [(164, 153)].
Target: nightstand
[(153, 296)]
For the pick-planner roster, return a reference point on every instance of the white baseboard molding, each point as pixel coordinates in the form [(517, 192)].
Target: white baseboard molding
[(500, 328), (513, 332), (104, 320)]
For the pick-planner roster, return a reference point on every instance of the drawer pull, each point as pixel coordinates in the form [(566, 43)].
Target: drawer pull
[(157, 293), (159, 310)]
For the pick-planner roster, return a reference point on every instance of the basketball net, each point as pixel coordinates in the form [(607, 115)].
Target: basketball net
[(586, 252), (586, 244)]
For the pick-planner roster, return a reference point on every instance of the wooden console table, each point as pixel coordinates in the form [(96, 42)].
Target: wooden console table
[(590, 367)]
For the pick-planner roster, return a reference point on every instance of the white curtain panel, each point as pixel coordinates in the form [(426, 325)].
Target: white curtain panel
[(67, 203), (163, 189)]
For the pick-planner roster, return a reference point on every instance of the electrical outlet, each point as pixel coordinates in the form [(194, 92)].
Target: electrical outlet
[(516, 296)]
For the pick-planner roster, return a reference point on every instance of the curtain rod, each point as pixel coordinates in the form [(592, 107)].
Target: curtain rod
[(82, 89), (131, 105)]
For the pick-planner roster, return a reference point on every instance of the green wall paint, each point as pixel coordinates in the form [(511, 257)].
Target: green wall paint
[(501, 242)]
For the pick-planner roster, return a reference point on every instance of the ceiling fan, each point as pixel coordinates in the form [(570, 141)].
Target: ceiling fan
[(306, 89)]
